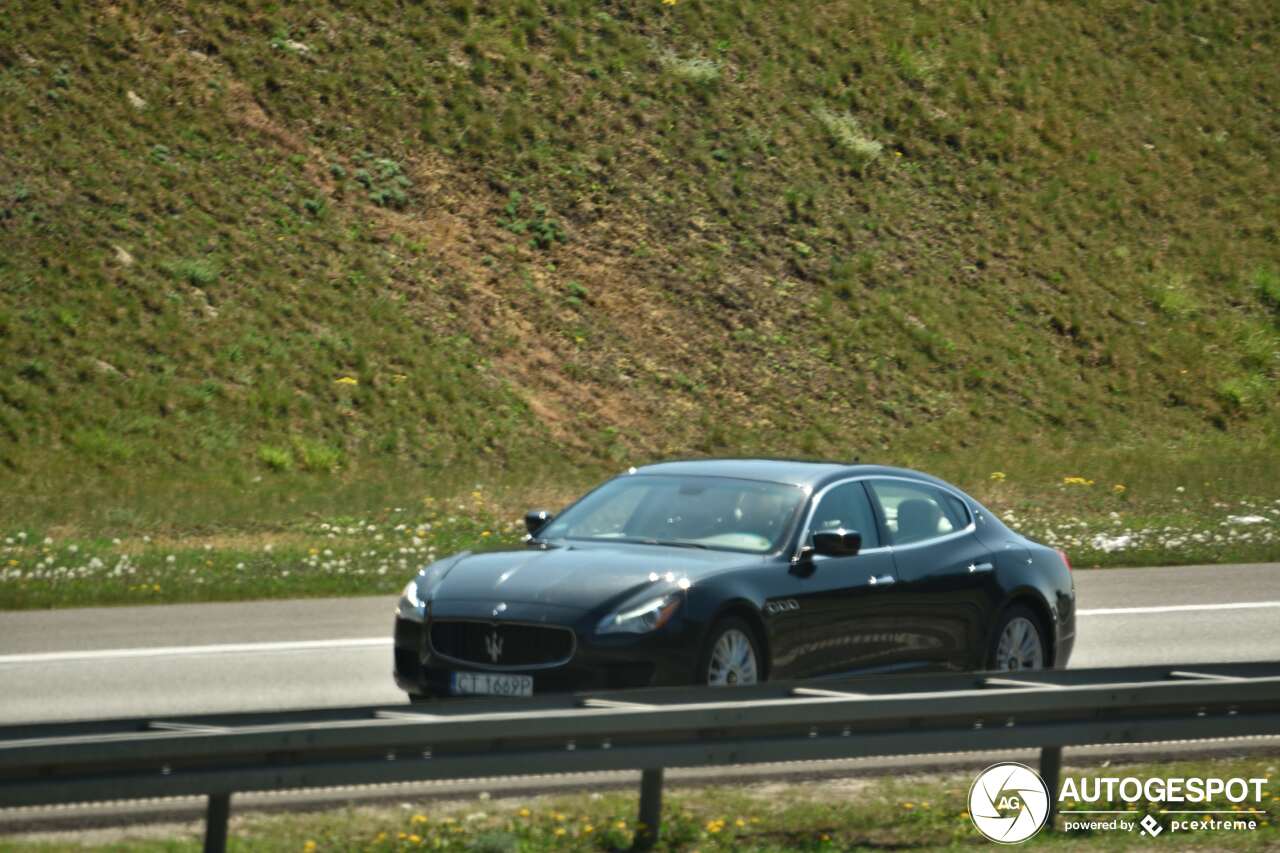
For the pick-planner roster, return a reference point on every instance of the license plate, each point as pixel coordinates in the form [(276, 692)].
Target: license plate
[(490, 684)]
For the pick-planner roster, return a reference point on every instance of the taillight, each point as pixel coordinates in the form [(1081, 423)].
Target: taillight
[(1065, 561)]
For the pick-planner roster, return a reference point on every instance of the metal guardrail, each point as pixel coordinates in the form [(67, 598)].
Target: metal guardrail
[(647, 730)]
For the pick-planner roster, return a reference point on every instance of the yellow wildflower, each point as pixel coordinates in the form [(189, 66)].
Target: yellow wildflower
[(740, 823), (588, 829), (309, 847), (998, 476), (415, 839), (347, 380), (560, 830), (622, 824), (419, 818), (524, 813), (670, 2), (1118, 488)]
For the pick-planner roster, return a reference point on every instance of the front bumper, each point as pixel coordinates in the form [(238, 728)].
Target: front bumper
[(665, 657)]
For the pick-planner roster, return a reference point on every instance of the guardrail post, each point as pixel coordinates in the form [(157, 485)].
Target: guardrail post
[(215, 823), (650, 810), (1051, 773)]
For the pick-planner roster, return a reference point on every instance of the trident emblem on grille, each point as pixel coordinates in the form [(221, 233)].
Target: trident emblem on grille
[(493, 645)]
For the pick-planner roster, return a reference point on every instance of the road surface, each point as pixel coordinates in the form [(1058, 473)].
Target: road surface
[(183, 659)]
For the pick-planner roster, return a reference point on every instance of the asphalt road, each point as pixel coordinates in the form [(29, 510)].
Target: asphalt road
[(112, 662)]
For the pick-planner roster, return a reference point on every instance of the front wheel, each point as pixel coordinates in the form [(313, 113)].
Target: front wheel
[(732, 655), (1019, 642)]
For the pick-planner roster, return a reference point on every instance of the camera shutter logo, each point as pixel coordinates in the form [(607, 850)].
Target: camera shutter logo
[(1009, 802)]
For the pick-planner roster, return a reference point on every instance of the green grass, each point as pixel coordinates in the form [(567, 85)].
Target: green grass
[(294, 535), (349, 245), (913, 811), (848, 134)]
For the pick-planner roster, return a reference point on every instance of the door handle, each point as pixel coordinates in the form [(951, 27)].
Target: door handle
[(974, 568), (883, 580)]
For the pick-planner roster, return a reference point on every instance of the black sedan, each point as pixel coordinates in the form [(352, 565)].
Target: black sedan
[(734, 571)]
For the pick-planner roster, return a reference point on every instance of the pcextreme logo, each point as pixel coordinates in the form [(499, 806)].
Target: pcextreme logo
[(1009, 802)]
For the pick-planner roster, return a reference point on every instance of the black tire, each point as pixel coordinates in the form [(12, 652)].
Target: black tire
[(730, 626), (1030, 652)]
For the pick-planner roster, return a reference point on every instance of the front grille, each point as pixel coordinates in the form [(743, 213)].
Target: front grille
[(516, 646)]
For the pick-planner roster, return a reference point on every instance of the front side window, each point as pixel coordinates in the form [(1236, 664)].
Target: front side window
[(916, 512), (711, 512), (846, 506)]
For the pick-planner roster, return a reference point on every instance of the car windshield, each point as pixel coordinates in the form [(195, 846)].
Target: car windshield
[(697, 512)]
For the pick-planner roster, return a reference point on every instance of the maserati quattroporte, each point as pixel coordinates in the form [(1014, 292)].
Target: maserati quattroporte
[(730, 572)]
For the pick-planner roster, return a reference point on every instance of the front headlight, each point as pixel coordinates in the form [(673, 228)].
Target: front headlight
[(649, 616), (410, 593)]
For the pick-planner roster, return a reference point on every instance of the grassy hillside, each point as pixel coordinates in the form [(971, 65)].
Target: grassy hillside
[(342, 245)]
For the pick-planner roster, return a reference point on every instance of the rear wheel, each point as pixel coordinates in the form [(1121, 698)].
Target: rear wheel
[(1019, 642), (732, 656)]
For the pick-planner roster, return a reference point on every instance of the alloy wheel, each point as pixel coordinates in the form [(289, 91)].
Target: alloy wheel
[(733, 661), (1020, 646)]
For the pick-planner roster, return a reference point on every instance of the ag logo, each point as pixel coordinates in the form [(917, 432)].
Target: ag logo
[(1008, 802)]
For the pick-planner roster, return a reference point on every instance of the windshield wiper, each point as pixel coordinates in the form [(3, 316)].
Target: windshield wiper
[(677, 543), (635, 540)]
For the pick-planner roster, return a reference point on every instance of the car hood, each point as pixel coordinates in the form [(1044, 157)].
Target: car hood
[(577, 576)]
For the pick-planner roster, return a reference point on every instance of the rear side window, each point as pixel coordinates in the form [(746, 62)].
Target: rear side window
[(918, 512), (846, 506)]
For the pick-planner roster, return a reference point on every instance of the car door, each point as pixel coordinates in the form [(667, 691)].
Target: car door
[(946, 578), (845, 602)]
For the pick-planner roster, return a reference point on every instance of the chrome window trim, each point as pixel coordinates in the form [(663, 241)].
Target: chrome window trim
[(861, 551), (807, 530)]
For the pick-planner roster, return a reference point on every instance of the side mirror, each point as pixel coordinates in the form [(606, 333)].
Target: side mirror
[(536, 519), (837, 543)]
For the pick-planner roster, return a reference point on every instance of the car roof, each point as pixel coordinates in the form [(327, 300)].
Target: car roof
[(799, 472)]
